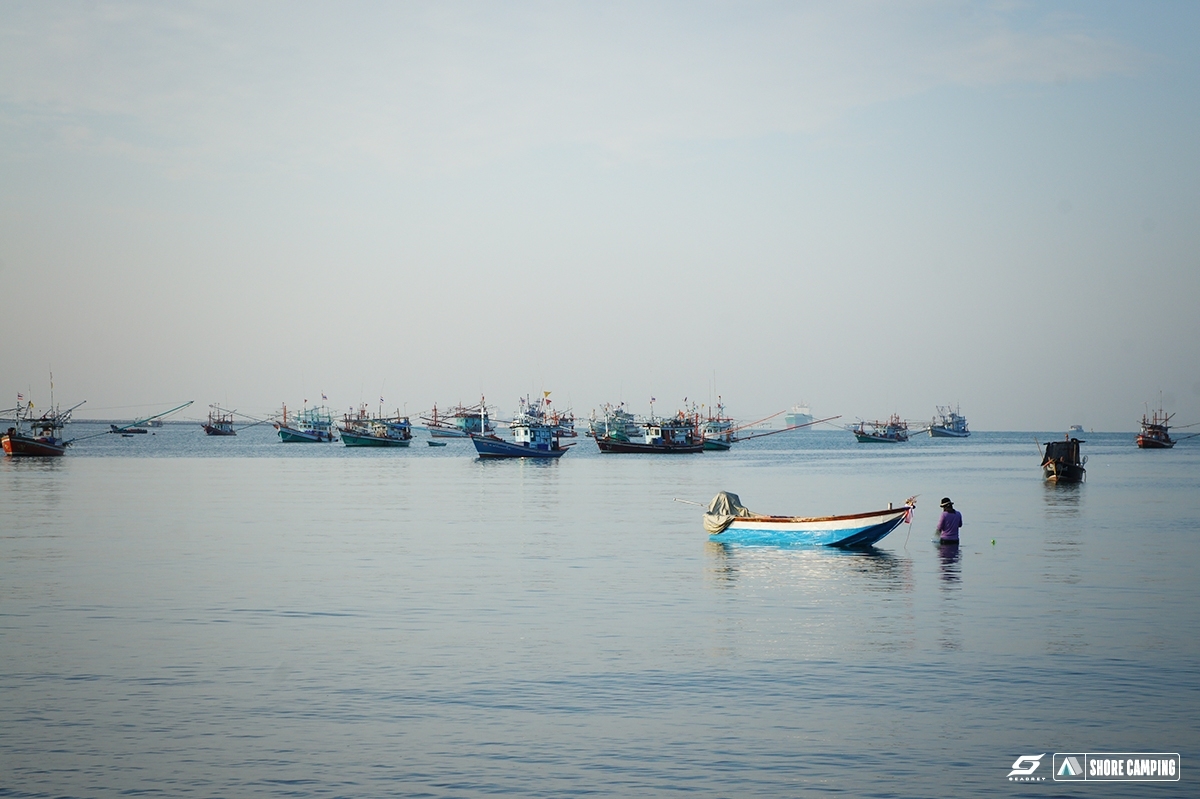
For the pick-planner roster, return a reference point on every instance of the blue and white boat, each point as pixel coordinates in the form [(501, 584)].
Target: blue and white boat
[(727, 520), (534, 435)]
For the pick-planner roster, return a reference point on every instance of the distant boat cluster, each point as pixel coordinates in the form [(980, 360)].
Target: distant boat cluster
[(538, 430)]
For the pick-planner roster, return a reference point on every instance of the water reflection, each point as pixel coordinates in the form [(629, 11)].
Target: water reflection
[(950, 615), (810, 601), (1062, 499), (950, 557), (872, 569), (26, 464)]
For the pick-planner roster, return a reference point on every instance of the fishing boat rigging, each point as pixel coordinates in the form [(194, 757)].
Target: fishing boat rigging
[(37, 435), (893, 431)]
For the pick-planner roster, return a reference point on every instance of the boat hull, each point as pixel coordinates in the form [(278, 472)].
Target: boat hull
[(1064, 473), (857, 530), (1146, 442), (609, 445), (18, 444), (217, 431), (290, 435), (946, 432), (447, 432), (489, 447), (867, 438), (717, 445), (364, 440)]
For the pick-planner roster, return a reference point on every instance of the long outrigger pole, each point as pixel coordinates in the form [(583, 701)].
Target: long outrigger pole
[(793, 427), (131, 424)]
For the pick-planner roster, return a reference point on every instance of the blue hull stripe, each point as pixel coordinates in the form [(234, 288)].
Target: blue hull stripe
[(488, 448), (846, 537)]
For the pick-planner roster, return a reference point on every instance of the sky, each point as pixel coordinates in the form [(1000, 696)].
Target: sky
[(871, 208)]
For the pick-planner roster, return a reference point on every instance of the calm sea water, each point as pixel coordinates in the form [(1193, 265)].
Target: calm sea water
[(192, 616)]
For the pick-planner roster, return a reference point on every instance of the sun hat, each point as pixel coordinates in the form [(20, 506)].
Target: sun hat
[(946, 501)]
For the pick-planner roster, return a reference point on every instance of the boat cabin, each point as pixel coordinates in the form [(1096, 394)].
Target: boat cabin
[(535, 436)]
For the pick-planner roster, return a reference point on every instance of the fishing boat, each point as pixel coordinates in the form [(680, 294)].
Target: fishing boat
[(1155, 427), (717, 429), (364, 430), (128, 430), (309, 425), (679, 434), (37, 435), (459, 422), (892, 431), (220, 423), (726, 519), (948, 424), (564, 423), (614, 422), (1061, 461), (534, 435)]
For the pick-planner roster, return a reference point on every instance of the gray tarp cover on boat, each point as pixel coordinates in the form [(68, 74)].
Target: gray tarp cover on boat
[(724, 508)]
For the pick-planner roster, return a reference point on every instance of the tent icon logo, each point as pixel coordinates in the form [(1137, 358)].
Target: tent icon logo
[(1069, 767)]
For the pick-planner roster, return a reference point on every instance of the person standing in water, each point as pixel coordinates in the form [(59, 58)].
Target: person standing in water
[(948, 523)]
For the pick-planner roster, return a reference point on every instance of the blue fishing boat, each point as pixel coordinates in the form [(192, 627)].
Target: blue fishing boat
[(309, 425), (728, 520), (535, 435)]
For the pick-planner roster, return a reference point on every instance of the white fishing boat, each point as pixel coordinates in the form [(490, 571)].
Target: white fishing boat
[(307, 426), (948, 423)]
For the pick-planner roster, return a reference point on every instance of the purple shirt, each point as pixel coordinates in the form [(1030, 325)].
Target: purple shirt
[(948, 524)]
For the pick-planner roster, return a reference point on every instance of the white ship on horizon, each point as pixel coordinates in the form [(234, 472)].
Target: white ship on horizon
[(799, 414)]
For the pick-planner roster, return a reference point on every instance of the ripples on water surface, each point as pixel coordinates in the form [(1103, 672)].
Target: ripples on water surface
[(188, 616)]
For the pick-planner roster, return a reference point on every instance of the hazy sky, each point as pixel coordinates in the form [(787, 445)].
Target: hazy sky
[(871, 207)]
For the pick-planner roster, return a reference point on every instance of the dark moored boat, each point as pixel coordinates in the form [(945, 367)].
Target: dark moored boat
[(892, 431), (220, 423), (41, 436), (1154, 433), (1062, 463)]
